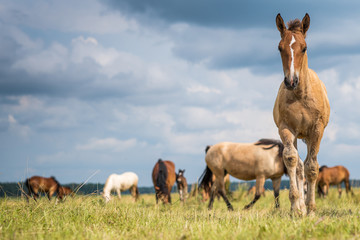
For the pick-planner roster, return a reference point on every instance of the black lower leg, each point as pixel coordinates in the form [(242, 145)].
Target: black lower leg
[(276, 195), (252, 202), (228, 204), (212, 194)]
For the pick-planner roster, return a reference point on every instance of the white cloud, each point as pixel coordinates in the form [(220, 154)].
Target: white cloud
[(67, 16), (46, 61), (107, 144)]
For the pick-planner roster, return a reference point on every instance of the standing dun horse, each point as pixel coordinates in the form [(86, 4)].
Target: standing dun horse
[(301, 110), (246, 161), (182, 185), (163, 177), (122, 182), (333, 176)]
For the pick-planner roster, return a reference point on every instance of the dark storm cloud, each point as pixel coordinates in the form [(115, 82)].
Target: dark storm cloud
[(233, 13), (255, 52)]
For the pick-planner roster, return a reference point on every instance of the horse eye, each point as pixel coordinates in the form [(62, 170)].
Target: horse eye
[(304, 49), (279, 48)]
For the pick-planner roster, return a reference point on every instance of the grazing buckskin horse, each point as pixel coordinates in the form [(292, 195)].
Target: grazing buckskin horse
[(205, 193), (122, 182), (66, 191), (163, 176), (182, 185), (333, 176), (301, 110), (246, 161), (37, 184)]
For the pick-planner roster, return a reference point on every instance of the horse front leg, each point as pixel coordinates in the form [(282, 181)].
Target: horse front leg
[(290, 158), (312, 166), (300, 184), (259, 188)]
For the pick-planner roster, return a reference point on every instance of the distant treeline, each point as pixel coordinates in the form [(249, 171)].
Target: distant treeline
[(13, 189)]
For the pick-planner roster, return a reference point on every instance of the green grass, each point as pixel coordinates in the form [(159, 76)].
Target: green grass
[(88, 217)]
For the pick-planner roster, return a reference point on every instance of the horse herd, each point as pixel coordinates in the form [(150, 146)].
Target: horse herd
[(301, 110), (246, 161)]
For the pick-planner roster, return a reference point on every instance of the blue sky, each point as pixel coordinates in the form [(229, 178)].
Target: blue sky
[(111, 86)]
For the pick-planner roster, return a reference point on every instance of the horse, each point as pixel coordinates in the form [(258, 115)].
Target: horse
[(163, 177), (66, 191), (206, 190), (182, 185), (333, 176), (49, 186), (122, 182), (301, 110), (252, 191), (246, 161)]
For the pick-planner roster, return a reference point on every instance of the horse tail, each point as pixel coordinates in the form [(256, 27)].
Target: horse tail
[(28, 186), (205, 180), (161, 178)]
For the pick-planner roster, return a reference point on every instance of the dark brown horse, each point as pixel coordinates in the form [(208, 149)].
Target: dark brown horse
[(182, 185), (49, 186), (332, 176), (66, 191), (163, 176)]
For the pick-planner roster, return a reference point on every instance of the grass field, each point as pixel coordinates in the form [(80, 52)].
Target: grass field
[(87, 217)]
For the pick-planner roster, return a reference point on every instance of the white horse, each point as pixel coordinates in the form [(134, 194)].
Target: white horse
[(122, 182)]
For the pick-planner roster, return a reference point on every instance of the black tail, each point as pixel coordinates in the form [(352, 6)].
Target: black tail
[(161, 178), (28, 186), (206, 179)]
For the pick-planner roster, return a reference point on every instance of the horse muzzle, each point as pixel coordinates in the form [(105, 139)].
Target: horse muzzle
[(291, 84)]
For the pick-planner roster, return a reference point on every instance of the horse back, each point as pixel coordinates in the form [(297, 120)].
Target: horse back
[(245, 161)]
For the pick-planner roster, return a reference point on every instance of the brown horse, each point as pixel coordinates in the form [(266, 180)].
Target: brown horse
[(247, 161), (163, 176), (66, 191), (182, 185), (301, 110), (332, 176), (49, 186)]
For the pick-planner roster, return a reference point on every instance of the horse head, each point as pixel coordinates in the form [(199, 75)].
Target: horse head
[(293, 48)]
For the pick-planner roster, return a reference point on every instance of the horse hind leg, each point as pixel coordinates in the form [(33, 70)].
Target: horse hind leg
[(260, 181), (276, 186)]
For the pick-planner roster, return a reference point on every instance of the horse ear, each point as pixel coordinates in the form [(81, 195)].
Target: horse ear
[(183, 170), (305, 23), (280, 24)]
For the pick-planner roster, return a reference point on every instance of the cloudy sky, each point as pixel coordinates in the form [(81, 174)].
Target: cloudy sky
[(96, 87)]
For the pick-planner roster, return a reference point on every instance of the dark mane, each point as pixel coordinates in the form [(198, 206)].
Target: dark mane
[(162, 176), (273, 143), (322, 168), (207, 148), (294, 25)]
